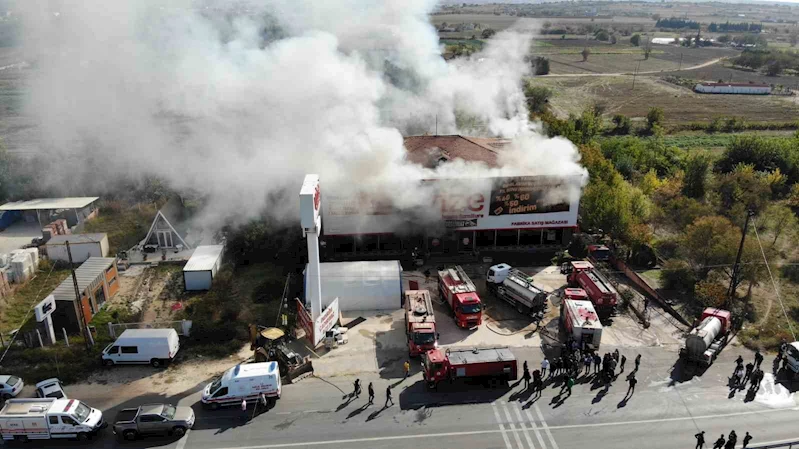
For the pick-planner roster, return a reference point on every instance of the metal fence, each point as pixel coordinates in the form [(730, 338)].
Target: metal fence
[(183, 327)]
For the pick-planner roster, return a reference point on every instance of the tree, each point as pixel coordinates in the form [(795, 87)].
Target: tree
[(655, 17), (741, 190), (774, 68), (613, 39), (622, 123), (586, 52), (488, 33), (647, 50), (710, 242), (710, 293), (540, 65), (654, 117), (677, 275), (635, 40), (778, 219), (602, 35), (696, 176), (537, 98)]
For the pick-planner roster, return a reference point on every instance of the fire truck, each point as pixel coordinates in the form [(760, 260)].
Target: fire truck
[(581, 322), (601, 292), (488, 364), (455, 287), (420, 322)]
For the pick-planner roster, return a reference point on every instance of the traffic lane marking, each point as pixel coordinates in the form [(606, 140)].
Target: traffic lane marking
[(182, 442), (501, 426), (512, 426)]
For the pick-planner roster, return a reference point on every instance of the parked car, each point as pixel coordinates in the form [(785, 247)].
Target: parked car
[(10, 386), (153, 419), (50, 388)]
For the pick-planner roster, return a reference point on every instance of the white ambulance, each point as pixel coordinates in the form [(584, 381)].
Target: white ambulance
[(245, 381), (46, 418)]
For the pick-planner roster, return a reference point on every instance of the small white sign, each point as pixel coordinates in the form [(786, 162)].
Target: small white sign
[(44, 308), (326, 321)]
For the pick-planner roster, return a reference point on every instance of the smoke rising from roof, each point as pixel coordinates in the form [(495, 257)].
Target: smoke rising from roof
[(238, 100)]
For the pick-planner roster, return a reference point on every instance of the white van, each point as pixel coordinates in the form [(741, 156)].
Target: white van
[(46, 418), (135, 346), (245, 381)]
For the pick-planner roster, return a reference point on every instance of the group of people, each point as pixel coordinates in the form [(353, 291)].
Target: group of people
[(574, 360), (750, 373), (721, 443)]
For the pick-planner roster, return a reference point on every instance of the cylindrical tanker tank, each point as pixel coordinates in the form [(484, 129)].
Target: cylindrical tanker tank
[(701, 337)]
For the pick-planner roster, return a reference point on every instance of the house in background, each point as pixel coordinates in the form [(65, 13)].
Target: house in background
[(170, 227), (97, 282)]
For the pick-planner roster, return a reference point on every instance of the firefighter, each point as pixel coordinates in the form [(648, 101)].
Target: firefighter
[(758, 358), (719, 443), (747, 439), (700, 439), (749, 368), (526, 377)]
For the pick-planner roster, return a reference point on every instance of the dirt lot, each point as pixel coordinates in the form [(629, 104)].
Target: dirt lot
[(572, 95), (150, 293)]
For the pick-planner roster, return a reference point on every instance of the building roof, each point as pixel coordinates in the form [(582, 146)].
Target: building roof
[(360, 270), (204, 258), (429, 151), (87, 273), (77, 238), (51, 203)]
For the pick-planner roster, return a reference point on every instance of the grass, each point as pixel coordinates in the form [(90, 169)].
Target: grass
[(775, 328), (17, 306), (125, 227)]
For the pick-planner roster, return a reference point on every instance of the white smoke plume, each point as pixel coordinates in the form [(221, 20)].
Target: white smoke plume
[(238, 100)]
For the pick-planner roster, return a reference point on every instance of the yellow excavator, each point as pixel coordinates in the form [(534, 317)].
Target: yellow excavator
[(269, 345)]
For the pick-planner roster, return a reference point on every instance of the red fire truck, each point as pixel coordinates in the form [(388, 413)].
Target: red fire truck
[(469, 363), (420, 322), (455, 287), (600, 291)]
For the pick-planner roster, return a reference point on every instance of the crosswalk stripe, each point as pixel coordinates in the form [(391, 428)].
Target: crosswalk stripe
[(512, 426), (524, 428), (501, 427), (535, 428), (546, 428)]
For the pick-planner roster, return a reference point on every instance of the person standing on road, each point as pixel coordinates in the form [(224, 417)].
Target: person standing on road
[(739, 362), (621, 365), (525, 365), (544, 367), (700, 439), (407, 367), (587, 362), (631, 389), (244, 410), (388, 397), (747, 439), (748, 375), (616, 355), (371, 394), (568, 386), (357, 389), (637, 361), (526, 377), (731, 440), (719, 443), (758, 358), (597, 362)]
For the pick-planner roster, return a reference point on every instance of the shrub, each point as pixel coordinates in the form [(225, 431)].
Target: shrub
[(710, 293), (678, 276), (635, 40), (790, 271)]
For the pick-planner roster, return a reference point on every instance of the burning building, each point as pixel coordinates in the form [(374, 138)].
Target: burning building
[(465, 215)]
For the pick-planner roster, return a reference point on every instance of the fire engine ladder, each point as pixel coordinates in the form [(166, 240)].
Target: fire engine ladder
[(465, 285)]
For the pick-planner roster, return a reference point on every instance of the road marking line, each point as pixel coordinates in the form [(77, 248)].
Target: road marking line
[(512, 426), (684, 418), (282, 413), (501, 426), (182, 442), (546, 428), (370, 439), (515, 408), (535, 428)]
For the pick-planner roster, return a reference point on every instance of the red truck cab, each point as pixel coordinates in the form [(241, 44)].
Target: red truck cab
[(420, 322), (600, 291), (436, 367), (459, 292)]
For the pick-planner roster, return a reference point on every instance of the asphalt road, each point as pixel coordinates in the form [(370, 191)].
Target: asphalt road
[(661, 413)]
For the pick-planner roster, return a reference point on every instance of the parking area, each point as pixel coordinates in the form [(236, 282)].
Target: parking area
[(18, 235), (378, 343)]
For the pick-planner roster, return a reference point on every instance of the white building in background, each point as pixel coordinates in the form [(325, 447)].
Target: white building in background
[(733, 88), (82, 247)]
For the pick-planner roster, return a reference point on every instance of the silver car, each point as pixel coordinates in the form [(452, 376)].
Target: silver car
[(154, 419), (50, 388)]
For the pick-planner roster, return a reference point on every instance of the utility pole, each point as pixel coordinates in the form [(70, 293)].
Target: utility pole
[(83, 324), (636, 73), (737, 267)]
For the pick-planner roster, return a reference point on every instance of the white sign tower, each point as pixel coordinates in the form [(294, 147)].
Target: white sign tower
[(311, 222)]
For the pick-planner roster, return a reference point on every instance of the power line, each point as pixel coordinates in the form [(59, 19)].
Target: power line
[(774, 283)]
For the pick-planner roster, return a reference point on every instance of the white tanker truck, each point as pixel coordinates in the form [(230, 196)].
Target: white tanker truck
[(707, 339)]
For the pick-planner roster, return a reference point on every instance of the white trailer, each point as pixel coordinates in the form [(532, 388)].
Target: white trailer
[(516, 288), (200, 270), (82, 247), (581, 322), (243, 382), (43, 419)]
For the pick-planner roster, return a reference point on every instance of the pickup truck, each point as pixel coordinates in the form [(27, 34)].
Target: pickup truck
[(153, 419)]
